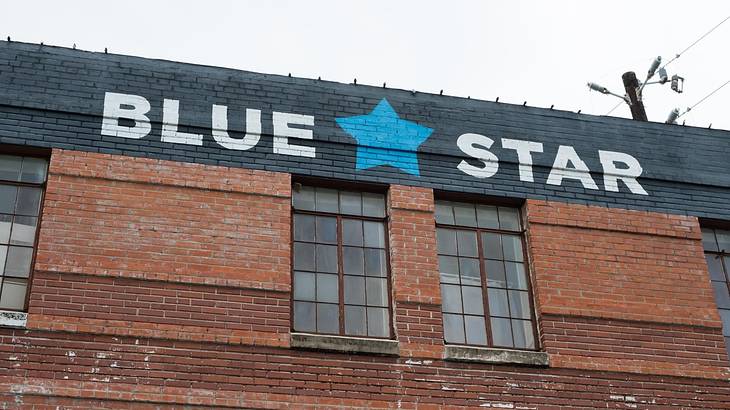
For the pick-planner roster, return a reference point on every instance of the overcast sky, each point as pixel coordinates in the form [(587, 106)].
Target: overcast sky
[(543, 52)]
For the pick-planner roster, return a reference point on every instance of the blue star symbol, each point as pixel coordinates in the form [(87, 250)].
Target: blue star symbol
[(383, 138)]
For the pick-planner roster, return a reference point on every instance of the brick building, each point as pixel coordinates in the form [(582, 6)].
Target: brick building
[(182, 236)]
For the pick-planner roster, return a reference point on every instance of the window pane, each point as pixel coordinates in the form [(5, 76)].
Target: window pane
[(476, 332), (714, 265), (13, 294), (327, 288), (23, 232), (18, 261), (464, 215), (377, 291), (512, 245), (451, 298), (495, 273), (487, 217), (722, 298), (373, 204), (524, 339), (10, 167), (351, 232), (3, 256), (509, 218), (375, 264), (516, 276), (469, 269), (326, 200), (328, 318), (354, 290), (454, 328), (350, 203), (34, 170), (444, 213), (327, 258), (326, 229), (473, 301), (498, 302), (304, 228), (467, 243), (29, 200), (378, 322), (501, 332), (449, 269), (519, 304), (303, 198), (304, 316), (5, 222), (492, 245), (723, 240), (352, 262), (374, 233), (708, 240), (355, 321), (446, 241), (303, 256), (7, 198), (303, 286)]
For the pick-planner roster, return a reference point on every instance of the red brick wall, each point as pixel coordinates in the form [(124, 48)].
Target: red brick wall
[(171, 310), (104, 368), (192, 236), (640, 278), (161, 284), (414, 268)]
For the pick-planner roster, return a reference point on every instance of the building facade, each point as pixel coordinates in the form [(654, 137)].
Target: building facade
[(183, 236)]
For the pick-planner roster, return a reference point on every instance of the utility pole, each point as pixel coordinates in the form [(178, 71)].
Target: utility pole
[(631, 84)]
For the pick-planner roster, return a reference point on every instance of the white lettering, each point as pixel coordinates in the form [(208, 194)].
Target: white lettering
[(471, 145), (170, 117), (282, 133), (611, 174), (524, 155), (220, 129), (566, 154), (113, 111)]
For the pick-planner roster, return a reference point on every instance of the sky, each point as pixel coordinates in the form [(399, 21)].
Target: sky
[(542, 52)]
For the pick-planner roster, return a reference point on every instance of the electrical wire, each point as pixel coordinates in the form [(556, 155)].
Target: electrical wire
[(704, 98), (616, 106), (696, 41)]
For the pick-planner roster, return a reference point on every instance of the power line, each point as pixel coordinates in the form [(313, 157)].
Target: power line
[(696, 41), (704, 98), (615, 106)]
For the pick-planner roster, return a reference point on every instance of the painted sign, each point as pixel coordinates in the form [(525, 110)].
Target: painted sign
[(383, 139), (128, 106)]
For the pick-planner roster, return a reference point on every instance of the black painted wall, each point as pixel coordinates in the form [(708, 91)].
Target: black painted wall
[(53, 97)]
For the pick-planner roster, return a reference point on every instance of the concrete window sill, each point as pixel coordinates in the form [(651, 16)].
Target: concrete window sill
[(13, 319), (344, 344), (495, 355)]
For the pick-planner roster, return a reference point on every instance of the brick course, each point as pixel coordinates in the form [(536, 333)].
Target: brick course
[(212, 225), (125, 369)]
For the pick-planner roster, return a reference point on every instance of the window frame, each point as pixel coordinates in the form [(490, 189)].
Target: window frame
[(522, 232), (367, 188), (723, 255), (25, 152)]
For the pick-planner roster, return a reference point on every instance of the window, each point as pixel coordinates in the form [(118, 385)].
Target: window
[(485, 289), (340, 263), (717, 254), (21, 191)]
